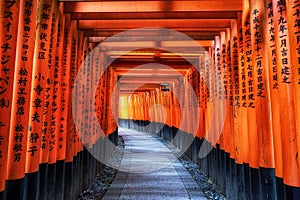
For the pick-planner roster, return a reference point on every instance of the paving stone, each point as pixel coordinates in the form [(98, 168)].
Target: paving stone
[(149, 170)]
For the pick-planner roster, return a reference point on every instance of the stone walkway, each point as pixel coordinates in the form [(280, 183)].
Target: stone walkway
[(149, 170)]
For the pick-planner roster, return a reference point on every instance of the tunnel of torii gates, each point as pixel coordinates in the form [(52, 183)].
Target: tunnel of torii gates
[(246, 80)]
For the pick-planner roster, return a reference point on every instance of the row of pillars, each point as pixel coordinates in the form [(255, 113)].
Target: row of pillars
[(42, 155), (246, 103)]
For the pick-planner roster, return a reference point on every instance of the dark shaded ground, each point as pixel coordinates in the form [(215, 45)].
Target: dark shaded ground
[(105, 178)]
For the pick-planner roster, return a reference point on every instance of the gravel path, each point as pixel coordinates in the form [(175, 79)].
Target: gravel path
[(205, 184), (105, 178)]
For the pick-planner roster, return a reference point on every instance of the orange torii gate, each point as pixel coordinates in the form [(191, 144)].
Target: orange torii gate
[(242, 93)]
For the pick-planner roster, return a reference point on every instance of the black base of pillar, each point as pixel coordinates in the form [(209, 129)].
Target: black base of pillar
[(30, 186), (75, 178), (228, 175), (42, 181), (292, 193), (240, 181), (268, 183), (14, 189), (233, 180), (68, 181), (255, 183), (2, 195), (85, 167), (113, 137), (247, 183), (51, 181), (279, 188), (223, 171), (59, 179)]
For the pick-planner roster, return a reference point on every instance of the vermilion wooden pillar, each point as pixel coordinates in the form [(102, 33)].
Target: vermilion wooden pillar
[(233, 78), (60, 114), (92, 83), (21, 100), (223, 68), (70, 28), (259, 63), (79, 97), (44, 150), (177, 106), (71, 69), (244, 35), (207, 104), (37, 100), (61, 78), (250, 95), (291, 173), (73, 73), (111, 85), (99, 93), (275, 96), (210, 105), (243, 87), (216, 79), (260, 72), (8, 37), (55, 95), (293, 17), (251, 98), (48, 133), (54, 165)]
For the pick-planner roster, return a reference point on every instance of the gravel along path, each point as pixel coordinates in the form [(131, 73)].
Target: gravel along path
[(105, 178), (205, 184)]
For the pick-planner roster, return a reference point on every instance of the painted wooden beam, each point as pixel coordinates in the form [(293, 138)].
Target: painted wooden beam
[(109, 33), (154, 15), (157, 38), (163, 23), (153, 6)]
